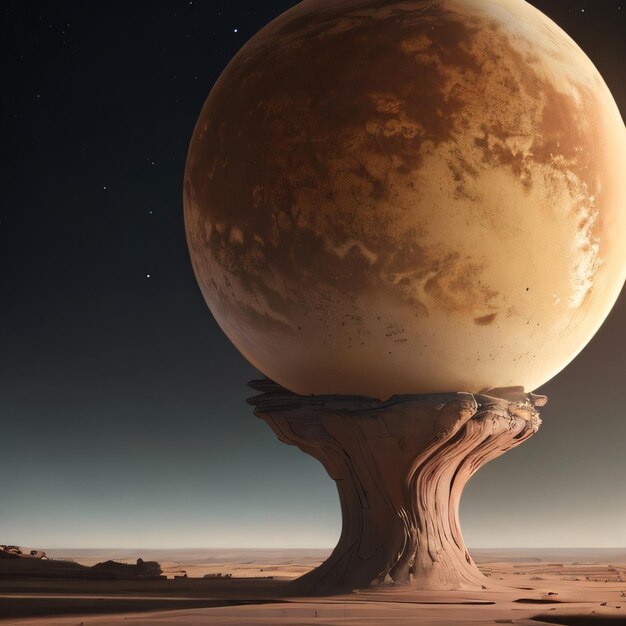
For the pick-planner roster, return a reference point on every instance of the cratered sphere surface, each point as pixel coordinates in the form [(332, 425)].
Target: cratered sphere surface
[(397, 196)]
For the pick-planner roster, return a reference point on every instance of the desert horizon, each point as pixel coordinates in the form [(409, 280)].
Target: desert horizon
[(528, 587), (479, 554)]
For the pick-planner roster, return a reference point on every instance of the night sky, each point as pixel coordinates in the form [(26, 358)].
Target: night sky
[(122, 404)]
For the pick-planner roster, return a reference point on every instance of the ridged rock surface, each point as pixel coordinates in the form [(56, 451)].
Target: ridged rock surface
[(400, 468)]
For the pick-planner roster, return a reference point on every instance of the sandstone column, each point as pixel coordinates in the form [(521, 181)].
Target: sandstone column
[(400, 468)]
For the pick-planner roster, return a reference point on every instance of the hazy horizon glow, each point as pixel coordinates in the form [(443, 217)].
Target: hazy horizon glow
[(122, 404)]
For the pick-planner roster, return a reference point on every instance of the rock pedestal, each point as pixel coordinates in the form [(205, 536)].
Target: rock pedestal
[(400, 468)]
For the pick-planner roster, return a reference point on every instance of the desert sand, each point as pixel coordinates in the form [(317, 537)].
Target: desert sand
[(568, 587)]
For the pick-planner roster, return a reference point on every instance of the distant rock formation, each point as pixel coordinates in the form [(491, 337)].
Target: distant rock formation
[(22, 562), (142, 569), (18, 552)]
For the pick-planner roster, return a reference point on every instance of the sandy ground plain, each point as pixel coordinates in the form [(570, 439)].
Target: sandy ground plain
[(527, 587)]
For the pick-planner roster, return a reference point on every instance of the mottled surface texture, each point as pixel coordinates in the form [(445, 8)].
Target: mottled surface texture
[(402, 196)]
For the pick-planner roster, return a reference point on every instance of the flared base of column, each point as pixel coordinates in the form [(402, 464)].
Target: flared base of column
[(400, 468)]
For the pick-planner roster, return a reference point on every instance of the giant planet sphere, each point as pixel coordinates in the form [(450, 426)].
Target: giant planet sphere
[(401, 196)]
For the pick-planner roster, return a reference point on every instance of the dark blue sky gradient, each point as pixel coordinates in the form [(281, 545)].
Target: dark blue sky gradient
[(123, 420)]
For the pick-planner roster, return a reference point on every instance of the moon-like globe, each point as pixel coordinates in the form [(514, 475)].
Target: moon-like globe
[(400, 196)]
